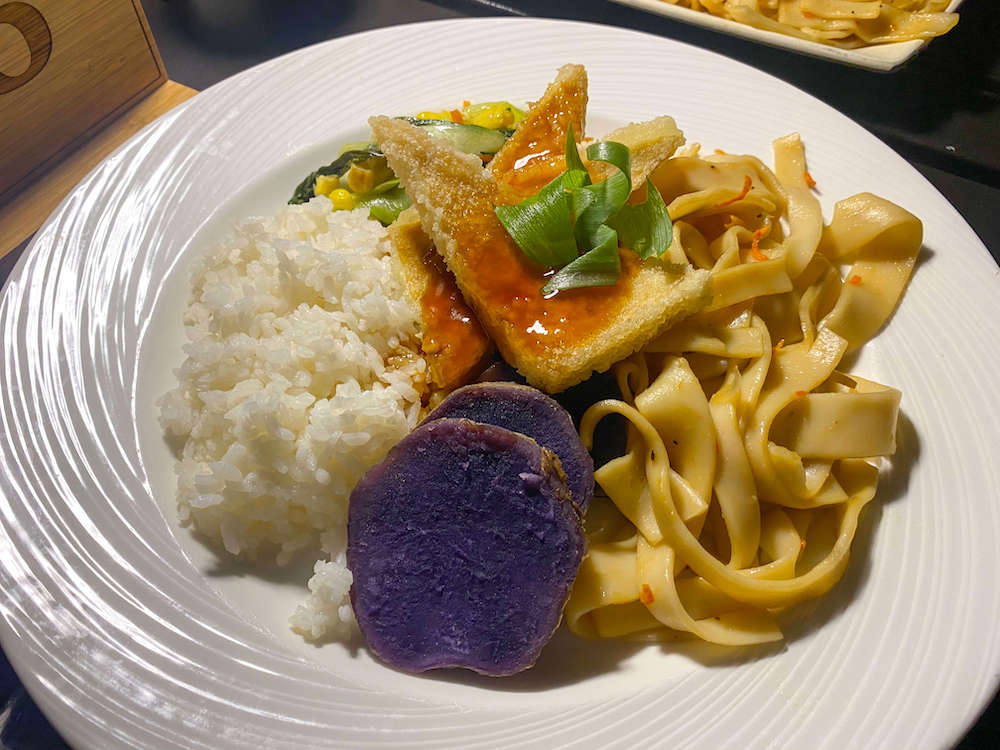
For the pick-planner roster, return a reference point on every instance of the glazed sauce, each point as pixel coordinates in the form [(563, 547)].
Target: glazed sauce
[(508, 285), (452, 337), (536, 152)]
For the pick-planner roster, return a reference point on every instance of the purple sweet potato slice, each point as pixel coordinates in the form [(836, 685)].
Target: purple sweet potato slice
[(527, 410), (464, 545)]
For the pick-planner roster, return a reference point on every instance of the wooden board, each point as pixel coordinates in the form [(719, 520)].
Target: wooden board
[(34, 199), (66, 68)]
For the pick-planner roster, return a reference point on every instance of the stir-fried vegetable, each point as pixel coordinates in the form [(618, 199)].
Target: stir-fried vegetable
[(332, 177), (472, 139), (360, 177)]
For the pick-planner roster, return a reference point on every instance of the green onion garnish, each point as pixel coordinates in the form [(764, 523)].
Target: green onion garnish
[(575, 225)]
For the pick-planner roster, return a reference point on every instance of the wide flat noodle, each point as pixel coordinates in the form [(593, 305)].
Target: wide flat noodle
[(884, 240), (749, 455), (856, 423), (804, 215)]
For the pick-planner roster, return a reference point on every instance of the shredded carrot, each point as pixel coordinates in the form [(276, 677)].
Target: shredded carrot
[(747, 182), (465, 103), (757, 237), (720, 152), (780, 345), (808, 14), (457, 116), (809, 179), (646, 594), (800, 394), (855, 280)]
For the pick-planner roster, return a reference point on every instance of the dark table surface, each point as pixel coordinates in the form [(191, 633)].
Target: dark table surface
[(941, 112)]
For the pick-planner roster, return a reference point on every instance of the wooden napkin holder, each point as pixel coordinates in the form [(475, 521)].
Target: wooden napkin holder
[(76, 80)]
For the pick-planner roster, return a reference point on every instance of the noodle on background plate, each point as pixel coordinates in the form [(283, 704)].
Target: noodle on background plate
[(749, 454), (842, 23)]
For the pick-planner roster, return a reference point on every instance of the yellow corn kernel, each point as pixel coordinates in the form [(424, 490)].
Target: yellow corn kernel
[(434, 116), (360, 179), (326, 184), (342, 200)]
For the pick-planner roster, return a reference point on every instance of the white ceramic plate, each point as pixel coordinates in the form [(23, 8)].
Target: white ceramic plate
[(131, 634), (882, 57)]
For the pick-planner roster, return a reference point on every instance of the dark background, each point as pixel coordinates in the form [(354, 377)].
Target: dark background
[(941, 112)]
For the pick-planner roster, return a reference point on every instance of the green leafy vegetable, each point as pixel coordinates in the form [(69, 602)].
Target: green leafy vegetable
[(645, 227), (539, 224), (472, 139), (598, 267), (385, 206), (386, 200), (306, 190), (575, 225)]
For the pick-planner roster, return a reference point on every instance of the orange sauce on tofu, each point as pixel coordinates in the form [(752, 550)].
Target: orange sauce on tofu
[(537, 153), (452, 336), (531, 175), (509, 285)]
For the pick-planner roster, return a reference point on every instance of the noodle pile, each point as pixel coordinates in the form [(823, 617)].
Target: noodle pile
[(749, 454), (842, 23)]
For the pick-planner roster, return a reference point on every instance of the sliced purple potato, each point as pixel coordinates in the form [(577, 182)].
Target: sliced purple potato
[(527, 410), (464, 545)]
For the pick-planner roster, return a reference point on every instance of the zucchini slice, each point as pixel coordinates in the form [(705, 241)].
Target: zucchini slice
[(472, 139)]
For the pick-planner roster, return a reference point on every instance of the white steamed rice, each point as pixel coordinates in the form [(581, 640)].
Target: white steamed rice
[(301, 372)]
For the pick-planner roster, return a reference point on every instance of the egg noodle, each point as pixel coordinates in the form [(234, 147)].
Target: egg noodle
[(749, 455), (843, 23)]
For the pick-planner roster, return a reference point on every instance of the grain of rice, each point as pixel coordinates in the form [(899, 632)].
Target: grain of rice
[(301, 371)]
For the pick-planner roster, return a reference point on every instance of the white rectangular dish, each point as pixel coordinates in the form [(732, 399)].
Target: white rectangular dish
[(883, 57)]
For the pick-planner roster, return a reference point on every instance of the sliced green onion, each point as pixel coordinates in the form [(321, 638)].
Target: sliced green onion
[(605, 198), (575, 225), (542, 226), (598, 267), (645, 227), (573, 160)]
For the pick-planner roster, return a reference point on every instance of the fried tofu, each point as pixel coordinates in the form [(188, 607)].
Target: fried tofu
[(558, 340), (527, 159), (554, 342), (649, 144), (537, 148), (453, 343)]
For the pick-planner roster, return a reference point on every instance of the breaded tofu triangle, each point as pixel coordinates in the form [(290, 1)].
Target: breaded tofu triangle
[(554, 342), (536, 148), (452, 341), (649, 143)]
